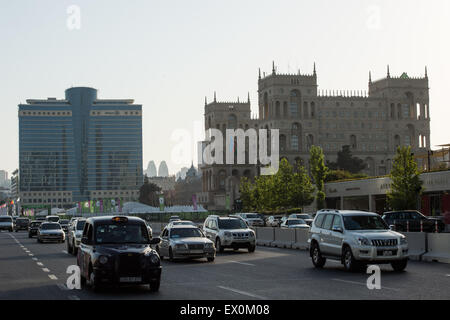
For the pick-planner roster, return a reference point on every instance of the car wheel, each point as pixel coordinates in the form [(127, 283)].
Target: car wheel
[(170, 255), (251, 249), (154, 285), (350, 264), (317, 259), (399, 266), (219, 247), (210, 259)]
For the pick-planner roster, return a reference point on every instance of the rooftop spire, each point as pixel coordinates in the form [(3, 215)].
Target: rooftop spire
[(370, 76), (388, 72), (259, 73), (273, 67), (426, 72), (215, 97), (206, 102), (248, 97), (314, 72)]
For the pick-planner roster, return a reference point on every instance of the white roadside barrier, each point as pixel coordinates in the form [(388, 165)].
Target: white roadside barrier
[(265, 236), (301, 239), (438, 248), (417, 244), (284, 238)]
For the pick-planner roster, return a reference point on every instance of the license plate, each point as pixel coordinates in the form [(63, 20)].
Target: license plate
[(387, 253), (196, 251), (130, 279)]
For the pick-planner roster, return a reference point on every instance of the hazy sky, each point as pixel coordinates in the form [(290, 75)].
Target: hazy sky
[(167, 55)]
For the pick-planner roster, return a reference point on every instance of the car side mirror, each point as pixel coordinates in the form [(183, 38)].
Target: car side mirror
[(337, 229), (84, 240), (155, 240)]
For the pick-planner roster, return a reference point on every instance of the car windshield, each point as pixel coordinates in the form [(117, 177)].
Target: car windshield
[(185, 233), (364, 223), (177, 223), (232, 224), (251, 216), (121, 233), (5, 219), (50, 226), (295, 221), (53, 219), (80, 225)]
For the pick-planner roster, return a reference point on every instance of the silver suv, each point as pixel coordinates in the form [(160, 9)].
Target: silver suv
[(355, 238), (74, 234), (229, 232)]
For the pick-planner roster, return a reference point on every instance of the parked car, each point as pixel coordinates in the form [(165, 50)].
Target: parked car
[(185, 241), (294, 223), (229, 232), (33, 228), (74, 235), (274, 221), (6, 223), (304, 216), (52, 218), (50, 231), (117, 250), (174, 218), (400, 220), (252, 219), (21, 224), (181, 222), (356, 238)]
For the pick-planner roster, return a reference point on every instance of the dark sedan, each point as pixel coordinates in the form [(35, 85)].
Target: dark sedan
[(118, 250), (33, 228), (21, 224), (411, 220)]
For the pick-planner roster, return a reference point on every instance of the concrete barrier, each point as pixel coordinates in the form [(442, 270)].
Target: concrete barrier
[(265, 236), (301, 239), (417, 244), (438, 248), (284, 238)]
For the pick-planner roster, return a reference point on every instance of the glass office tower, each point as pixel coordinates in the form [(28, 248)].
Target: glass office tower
[(80, 148)]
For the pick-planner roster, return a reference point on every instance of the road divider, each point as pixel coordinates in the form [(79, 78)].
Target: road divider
[(301, 239), (417, 244), (438, 248), (265, 236), (284, 238)]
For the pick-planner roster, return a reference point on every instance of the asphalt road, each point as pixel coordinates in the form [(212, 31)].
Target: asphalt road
[(30, 270)]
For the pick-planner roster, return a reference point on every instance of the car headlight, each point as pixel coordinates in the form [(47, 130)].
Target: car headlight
[(103, 259), (363, 241), (154, 259), (403, 240), (227, 234)]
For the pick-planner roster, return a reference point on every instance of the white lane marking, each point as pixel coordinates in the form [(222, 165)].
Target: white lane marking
[(64, 251), (447, 275), (45, 270), (52, 276), (245, 264), (40, 264), (62, 287), (35, 259), (363, 284), (73, 298), (243, 293), (31, 255)]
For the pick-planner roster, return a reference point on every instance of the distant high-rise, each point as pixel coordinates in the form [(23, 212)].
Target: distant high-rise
[(151, 169), (163, 171), (79, 148)]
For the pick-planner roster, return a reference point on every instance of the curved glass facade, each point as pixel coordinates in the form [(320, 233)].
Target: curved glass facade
[(79, 145)]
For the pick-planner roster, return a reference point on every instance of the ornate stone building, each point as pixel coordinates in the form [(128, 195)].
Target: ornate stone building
[(394, 111)]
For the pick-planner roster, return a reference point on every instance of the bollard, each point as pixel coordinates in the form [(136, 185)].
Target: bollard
[(421, 225)]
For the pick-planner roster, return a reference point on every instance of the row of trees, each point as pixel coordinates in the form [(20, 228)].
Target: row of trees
[(295, 188)]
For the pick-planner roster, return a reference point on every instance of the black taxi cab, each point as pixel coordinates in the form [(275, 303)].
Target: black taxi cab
[(117, 250)]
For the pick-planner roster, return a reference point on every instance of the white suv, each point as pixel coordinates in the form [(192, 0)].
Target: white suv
[(356, 238), (229, 232)]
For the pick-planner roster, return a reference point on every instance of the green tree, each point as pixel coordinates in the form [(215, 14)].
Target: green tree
[(318, 171), (148, 193), (301, 189), (280, 184), (406, 186), (247, 191), (345, 161), (335, 175)]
